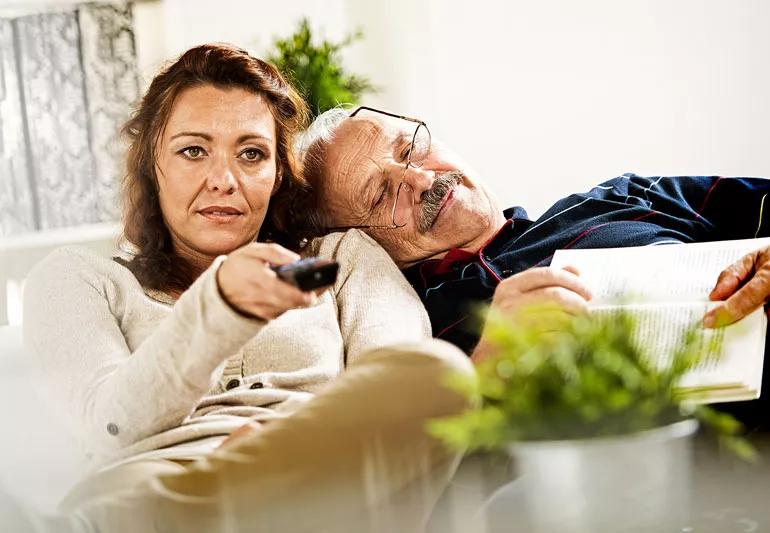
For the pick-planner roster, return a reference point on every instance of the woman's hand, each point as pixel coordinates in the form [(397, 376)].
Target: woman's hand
[(250, 286), (248, 428)]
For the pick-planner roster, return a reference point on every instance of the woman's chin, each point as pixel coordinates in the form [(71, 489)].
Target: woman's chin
[(221, 246)]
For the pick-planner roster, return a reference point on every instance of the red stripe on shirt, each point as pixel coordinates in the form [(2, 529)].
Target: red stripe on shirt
[(487, 267), (708, 195), (589, 230), (450, 326)]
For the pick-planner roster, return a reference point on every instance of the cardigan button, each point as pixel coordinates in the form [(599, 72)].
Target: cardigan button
[(232, 384), (112, 429)]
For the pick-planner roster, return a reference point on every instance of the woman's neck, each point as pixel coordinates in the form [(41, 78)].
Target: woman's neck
[(195, 259)]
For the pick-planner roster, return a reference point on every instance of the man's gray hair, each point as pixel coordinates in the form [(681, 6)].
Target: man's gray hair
[(311, 218), (320, 132)]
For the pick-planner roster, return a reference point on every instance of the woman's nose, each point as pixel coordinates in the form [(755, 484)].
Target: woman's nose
[(222, 178)]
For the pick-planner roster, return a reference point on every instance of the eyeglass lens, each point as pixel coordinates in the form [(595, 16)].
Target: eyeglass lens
[(418, 152)]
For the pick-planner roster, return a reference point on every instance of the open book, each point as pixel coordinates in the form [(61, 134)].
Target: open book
[(666, 288)]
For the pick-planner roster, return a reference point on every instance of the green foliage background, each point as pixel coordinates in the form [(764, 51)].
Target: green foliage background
[(316, 69)]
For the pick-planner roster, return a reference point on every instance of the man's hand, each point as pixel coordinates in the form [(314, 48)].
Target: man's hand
[(541, 298), (744, 285)]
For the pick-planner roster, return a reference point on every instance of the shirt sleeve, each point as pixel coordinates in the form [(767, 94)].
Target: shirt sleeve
[(113, 397), (736, 208), (704, 208), (376, 305)]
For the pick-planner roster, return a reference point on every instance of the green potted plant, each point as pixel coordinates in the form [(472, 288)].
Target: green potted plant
[(598, 431), (316, 69)]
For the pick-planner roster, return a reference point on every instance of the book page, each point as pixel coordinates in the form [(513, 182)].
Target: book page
[(664, 273), (727, 354), (665, 288)]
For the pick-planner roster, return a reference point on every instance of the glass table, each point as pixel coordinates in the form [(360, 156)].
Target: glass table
[(726, 495)]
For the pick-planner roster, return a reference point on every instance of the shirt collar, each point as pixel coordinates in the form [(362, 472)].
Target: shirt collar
[(515, 223)]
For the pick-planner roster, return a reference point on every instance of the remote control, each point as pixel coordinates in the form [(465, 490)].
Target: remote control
[(309, 273)]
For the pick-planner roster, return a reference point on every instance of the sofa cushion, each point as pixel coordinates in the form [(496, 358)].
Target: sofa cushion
[(39, 460)]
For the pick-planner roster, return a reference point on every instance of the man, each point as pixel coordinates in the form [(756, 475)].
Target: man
[(382, 172)]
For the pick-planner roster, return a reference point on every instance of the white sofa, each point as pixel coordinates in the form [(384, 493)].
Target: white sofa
[(39, 460)]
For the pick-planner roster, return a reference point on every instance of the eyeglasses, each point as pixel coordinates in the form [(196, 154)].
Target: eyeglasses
[(413, 155)]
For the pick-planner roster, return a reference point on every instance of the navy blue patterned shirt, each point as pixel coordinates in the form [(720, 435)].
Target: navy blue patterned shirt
[(626, 211)]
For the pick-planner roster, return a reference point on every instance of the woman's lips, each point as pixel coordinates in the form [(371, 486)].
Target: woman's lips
[(221, 218)]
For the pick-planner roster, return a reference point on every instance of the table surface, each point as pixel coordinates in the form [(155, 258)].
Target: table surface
[(727, 495)]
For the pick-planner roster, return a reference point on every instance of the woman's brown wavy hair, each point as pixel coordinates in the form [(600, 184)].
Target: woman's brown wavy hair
[(154, 262)]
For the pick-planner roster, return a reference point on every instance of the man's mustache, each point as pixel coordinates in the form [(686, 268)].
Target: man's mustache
[(432, 198)]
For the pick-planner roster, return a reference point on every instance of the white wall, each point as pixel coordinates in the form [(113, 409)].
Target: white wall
[(567, 93), (545, 97), (166, 28)]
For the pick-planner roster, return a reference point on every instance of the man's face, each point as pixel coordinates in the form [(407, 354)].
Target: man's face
[(449, 206)]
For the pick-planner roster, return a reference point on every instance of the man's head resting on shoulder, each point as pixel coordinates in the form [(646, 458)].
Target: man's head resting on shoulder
[(386, 175)]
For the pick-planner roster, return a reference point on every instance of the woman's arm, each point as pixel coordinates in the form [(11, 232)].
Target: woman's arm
[(114, 397), (376, 305)]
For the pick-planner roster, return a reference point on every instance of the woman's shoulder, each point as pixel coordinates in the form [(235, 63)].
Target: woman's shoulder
[(78, 257), (77, 262), (351, 243)]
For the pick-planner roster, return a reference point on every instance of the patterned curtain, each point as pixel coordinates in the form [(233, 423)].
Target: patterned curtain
[(67, 81)]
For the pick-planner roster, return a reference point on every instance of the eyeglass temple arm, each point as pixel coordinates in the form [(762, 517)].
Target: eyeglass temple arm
[(388, 113)]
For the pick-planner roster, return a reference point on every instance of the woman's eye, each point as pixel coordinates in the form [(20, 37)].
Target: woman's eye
[(405, 153), (192, 152), (252, 154)]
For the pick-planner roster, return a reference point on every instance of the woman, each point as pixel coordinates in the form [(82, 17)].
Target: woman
[(158, 357)]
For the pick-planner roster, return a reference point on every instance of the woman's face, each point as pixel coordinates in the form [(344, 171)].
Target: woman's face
[(216, 169)]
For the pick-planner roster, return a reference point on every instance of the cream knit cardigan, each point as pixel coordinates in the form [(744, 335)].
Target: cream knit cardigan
[(137, 375)]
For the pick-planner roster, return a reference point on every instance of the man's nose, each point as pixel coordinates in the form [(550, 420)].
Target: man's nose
[(419, 180), (222, 177)]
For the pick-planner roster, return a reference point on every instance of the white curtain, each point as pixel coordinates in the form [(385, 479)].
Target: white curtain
[(67, 81)]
